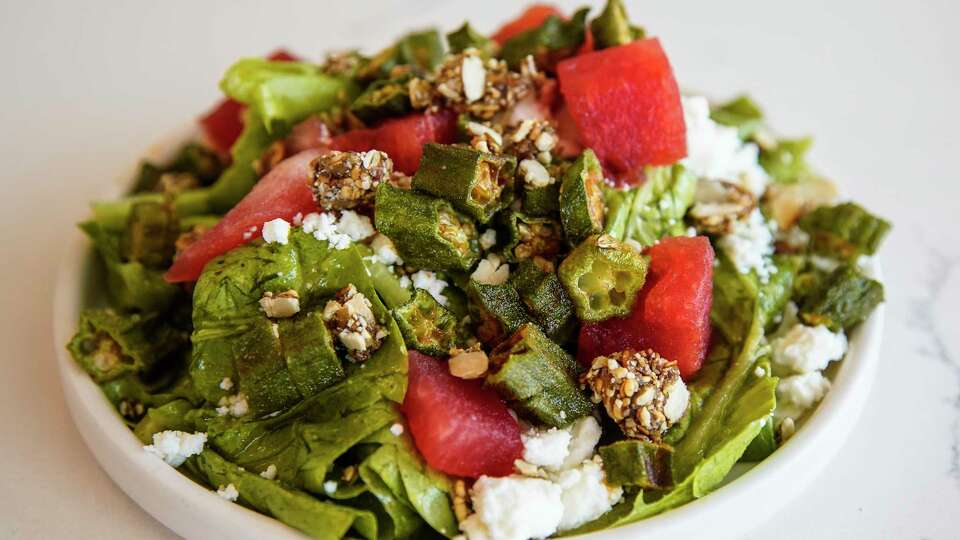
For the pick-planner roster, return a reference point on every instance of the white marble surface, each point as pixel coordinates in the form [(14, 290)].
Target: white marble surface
[(86, 85)]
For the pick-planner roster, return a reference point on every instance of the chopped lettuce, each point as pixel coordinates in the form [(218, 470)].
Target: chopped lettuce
[(653, 210), (548, 43), (742, 113), (844, 231), (786, 160)]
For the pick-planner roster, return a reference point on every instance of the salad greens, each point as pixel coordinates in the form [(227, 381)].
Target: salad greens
[(561, 297)]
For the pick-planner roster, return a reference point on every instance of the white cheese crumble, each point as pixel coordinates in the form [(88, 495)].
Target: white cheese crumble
[(396, 429), (824, 264), (546, 448), (534, 173), (479, 129), (270, 472), (716, 151), (384, 250), (803, 348), (226, 384), (474, 77), (750, 246), (354, 225), (276, 231), (405, 282), (513, 508), (324, 227), (235, 405), (491, 270), (330, 487), (678, 396), (797, 393), (229, 492), (584, 436), (174, 447), (488, 239), (428, 281), (586, 496)]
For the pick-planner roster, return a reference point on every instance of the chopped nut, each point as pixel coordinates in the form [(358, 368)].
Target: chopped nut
[(282, 305), (474, 77), (641, 391), (350, 317), (461, 500), (468, 364), (344, 180), (719, 204), (531, 138), (538, 239), (535, 174), (461, 91), (485, 138)]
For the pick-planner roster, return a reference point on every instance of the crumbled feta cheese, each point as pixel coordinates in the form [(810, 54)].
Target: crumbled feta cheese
[(330, 487), (760, 372), (474, 77), (584, 436), (298, 219), (808, 348), (236, 405), (270, 472), (226, 384), (797, 393), (546, 448), (229, 492), (428, 281), (491, 271), (678, 396), (534, 173), (488, 239), (354, 225), (716, 151), (324, 227), (405, 282), (750, 246), (384, 250), (585, 496), (276, 231), (174, 447), (513, 508), (824, 264), (396, 429)]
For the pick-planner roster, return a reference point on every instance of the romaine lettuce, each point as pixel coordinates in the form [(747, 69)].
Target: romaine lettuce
[(653, 210)]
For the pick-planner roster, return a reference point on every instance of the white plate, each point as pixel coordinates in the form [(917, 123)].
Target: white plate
[(195, 512)]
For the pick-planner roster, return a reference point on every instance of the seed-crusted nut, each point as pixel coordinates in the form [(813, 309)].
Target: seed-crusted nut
[(538, 238), (501, 87), (720, 204), (344, 180), (485, 137), (641, 391), (471, 363), (282, 305), (350, 317), (531, 139)]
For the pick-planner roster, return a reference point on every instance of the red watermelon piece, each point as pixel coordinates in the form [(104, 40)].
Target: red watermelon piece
[(402, 138), (460, 427), (283, 193), (672, 312), (626, 105), (528, 20)]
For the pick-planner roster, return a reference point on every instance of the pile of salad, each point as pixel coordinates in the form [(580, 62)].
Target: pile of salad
[(502, 287)]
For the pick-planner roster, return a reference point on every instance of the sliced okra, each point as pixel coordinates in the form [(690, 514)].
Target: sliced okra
[(602, 277), (537, 378), (542, 201), (476, 183), (497, 310), (546, 300), (581, 198), (844, 299), (382, 99), (426, 325), (528, 237), (427, 231), (612, 27), (150, 235)]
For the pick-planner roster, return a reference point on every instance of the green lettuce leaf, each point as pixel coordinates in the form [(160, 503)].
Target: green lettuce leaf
[(742, 113), (653, 210), (786, 161)]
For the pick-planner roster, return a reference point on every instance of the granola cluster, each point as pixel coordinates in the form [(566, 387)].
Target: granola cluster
[(343, 180), (538, 239), (531, 139), (350, 318), (280, 305), (720, 204), (641, 391)]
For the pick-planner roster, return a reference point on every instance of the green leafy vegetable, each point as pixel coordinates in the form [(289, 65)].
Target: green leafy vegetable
[(637, 463), (612, 27), (786, 161), (653, 210), (466, 37), (549, 43), (742, 113)]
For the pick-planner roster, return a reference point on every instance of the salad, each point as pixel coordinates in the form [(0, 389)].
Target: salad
[(496, 287)]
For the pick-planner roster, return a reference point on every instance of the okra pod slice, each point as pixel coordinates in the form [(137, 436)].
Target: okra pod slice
[(638, 463), (466, 37), (309, 352), (602, 277), (537, 378), (844, 299), (149, 237), (476, 183), (426, 325), (612, 27), (383, 99), (108, 344), (845, 231), (528, 237), (542, 201), (546, 301), (427, 231), (496, 309), (581, 198)]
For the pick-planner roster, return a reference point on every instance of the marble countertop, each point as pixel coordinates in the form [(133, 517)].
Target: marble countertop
[(88, 85)]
